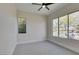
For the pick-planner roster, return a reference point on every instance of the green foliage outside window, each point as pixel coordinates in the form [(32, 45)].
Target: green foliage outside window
[(21, 25)]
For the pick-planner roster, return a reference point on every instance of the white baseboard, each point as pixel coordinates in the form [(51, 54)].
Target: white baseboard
[(29, 41)]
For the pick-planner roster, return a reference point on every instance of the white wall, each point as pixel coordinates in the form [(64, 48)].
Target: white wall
[(35, 28), (8, 28), (70, 44)]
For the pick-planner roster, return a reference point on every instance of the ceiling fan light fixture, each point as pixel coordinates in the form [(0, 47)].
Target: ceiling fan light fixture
[(43, 6)]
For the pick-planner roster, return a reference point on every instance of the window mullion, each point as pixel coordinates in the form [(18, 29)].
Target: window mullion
[(58, 26), (68, 26)]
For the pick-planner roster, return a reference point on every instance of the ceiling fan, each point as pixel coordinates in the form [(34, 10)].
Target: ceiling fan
[(43, 5)]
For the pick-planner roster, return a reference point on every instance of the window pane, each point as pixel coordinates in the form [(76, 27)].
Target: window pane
[(63, 25), (21, 25), (74, 26), (55, 27)]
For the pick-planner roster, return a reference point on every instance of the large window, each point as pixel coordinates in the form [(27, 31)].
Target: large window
[(55, 27), (63, 25), (67, 26), (74, 26), (21, 25)]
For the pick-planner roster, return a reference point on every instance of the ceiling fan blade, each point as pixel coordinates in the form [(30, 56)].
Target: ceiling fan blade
[(39, 8), (47, 8), (48, 3), (36, 3)]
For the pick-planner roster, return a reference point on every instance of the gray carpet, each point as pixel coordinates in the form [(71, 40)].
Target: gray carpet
[(41, 48)]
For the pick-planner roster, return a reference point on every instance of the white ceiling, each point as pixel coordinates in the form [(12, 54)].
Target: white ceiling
[(28, 7)]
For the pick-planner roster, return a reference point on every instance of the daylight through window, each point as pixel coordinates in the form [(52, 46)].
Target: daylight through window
[(21, 25), (67, 26)]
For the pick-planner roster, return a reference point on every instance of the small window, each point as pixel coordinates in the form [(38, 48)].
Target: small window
[(55, 27), (63, 26), (74, 26), (21, 25)]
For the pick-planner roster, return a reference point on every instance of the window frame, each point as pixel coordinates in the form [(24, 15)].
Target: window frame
[(57, 25), (18, 24), (67, 25)]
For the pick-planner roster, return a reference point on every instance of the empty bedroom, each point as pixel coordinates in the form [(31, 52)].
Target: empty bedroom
[(39, 28)]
